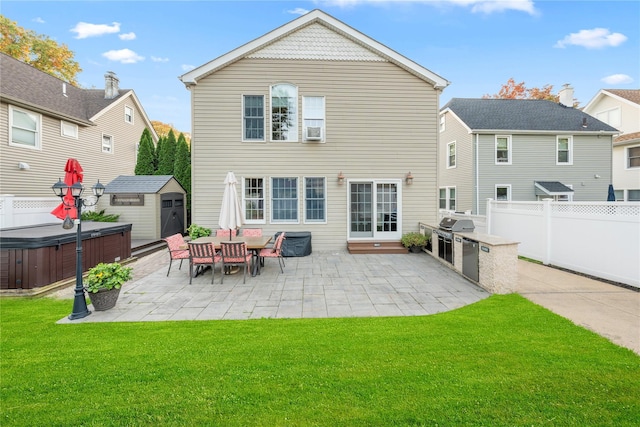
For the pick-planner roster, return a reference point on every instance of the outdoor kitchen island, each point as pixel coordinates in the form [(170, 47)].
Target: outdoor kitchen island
[(490, 261)]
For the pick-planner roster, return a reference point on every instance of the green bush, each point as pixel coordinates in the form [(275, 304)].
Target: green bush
[(99, 216), (414, 238), (196, 231), (107, 276)]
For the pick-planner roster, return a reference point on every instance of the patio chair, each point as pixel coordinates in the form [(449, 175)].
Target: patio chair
[(177, 249), (202, 254), (274, 252), (235, 254), (252, 232), (225, 233)]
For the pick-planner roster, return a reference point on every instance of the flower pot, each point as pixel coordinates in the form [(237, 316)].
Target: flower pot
[(415, 249), (104, 299)]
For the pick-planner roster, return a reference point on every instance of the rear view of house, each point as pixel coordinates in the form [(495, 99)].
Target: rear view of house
[(327, 130)]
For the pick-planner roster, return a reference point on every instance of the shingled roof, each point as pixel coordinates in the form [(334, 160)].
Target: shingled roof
[(145, 184), (523, 115), (25, 85), (632, 95)]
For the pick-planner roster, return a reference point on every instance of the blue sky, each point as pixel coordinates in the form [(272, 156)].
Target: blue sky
[(475, 44)]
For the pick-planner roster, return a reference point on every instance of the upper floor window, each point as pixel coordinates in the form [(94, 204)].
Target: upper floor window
[(447, 198), (503, 150), (253, 118), (633, 157), (451, 155), (253, 197), (24, 128), (284, 112), (128, 114), (284, 200), (442, 123), (313, 118), (565, 150), (610, 117), (69, 129), (107, 143), (315, 199), (503, 192)]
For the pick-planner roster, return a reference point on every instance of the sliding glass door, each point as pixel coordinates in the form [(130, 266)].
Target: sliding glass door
[(374, 210)]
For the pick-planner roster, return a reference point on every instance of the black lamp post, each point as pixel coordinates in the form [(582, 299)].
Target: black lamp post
[(61, 189)]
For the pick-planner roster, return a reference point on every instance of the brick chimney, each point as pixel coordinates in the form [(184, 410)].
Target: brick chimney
[(110, 85), (565, 96)]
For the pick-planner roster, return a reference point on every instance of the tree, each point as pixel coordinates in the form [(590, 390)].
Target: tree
[(182, 168), (38, 50), (162, 129), (513, 90), (145, 163), (166, 155)]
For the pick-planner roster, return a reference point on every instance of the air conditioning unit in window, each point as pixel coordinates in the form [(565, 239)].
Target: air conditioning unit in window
[(313, 133)]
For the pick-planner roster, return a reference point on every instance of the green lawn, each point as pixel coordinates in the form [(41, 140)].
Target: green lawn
[(500, 362)]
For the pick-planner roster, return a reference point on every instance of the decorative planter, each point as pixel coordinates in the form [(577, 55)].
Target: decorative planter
[(415, 249), (104, 299)]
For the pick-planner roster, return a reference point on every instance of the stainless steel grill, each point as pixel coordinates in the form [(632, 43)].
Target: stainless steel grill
[(445, 231)]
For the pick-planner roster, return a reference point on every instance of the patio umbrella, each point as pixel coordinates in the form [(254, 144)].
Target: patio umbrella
[(611, 197), (230, 212), (73, 174)]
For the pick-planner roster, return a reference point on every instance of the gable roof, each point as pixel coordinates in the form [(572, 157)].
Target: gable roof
[(319, 48), (146, 184), (515, 115), (628, 96), (26, 86)]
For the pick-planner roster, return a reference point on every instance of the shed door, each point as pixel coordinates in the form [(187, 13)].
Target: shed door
[(171, 214)]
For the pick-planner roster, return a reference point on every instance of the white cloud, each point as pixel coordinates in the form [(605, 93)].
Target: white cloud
[(298, 11), (187, 67), (592, 39), (158, 59), (38, 20), (124, 56), (84, 29), (477, 6), (127, 36), (617, 79)]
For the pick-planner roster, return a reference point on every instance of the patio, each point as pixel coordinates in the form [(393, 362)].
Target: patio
[(317, 286)]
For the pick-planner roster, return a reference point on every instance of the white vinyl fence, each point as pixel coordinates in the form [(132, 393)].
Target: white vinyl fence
[(601, 239), (26, 211)]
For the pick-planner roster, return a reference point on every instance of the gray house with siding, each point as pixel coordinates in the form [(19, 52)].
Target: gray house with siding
[(327, 131), (521, 150)]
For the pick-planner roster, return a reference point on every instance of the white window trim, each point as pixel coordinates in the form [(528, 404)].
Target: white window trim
[(273, 221), (132, 115), (495, 192), (607, 119), (455, 155), (305, 118), (112, 143), (72, 126), (569, 161), (509, 150), (264, 119), (447, 198), (264, 200), (38, 145), (443, 123), (297, 130), (304, 192), (626, 158)]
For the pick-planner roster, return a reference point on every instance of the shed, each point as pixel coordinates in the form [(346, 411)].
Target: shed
[(155, 205)]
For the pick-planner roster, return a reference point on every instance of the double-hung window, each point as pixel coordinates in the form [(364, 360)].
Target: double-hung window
[(451, 155), (313, 118), (253, 118), (284, 113), (503, 192), (503, 150), (128, 114), (24, 128), (253, 198), (447, 198), (633, 157), (284, 199), (107, 143), (442, 123), (315, 200), (564, 149)]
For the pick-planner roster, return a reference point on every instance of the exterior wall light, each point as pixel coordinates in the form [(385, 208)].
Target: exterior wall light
[(340, 178), (409, 179)]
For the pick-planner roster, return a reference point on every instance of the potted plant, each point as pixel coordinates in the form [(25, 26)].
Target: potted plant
[(103, 284), (196, 231), (414, 241)]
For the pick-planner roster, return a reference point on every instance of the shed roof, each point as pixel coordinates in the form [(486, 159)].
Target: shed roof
[(480, 114), (146, 184), (552, 188)]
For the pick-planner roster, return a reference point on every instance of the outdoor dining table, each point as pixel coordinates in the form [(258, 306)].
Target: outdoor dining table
[(254, 244)]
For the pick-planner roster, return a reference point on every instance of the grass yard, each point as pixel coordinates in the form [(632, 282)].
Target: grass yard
[(500, 362)]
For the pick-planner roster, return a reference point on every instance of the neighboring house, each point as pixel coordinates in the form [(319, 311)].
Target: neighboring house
[(516, 149), (45, 121), (620, 108), (321, 125)]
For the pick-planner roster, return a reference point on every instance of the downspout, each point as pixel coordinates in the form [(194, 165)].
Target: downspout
[(477, 176)]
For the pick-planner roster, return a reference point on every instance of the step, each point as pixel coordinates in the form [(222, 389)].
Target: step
[(376, 247), (148, 248)]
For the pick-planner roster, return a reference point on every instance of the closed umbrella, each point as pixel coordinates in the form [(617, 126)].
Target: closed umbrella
[(230, 212), (611, 197), (73, 174)]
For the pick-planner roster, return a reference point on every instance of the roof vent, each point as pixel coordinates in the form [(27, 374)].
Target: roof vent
[(111, 85)]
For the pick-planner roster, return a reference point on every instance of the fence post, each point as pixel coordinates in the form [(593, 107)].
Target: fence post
[(7, 211), (488, 215), (546, 215)]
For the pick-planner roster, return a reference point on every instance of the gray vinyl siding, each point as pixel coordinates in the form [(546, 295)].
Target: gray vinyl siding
[(381, 123), (462, 176), (47, 164), (534, 159)]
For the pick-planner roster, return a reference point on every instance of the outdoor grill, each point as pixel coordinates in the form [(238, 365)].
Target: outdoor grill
[(445, 231)]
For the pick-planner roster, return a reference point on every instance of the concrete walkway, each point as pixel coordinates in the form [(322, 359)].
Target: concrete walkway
[(344, 285)]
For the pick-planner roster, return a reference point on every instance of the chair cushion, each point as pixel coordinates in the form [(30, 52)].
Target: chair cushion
[(181, 254)]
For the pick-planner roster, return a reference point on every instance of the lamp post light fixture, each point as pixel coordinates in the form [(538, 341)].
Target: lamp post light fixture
[(61, 189)]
